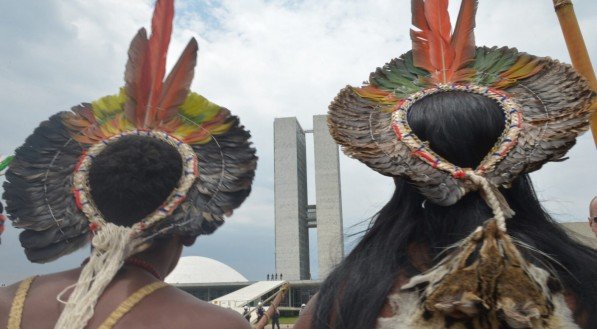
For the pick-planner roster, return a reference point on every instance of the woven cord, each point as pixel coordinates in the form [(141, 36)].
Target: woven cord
[(112, 245), (130, 302), (494, 199), (16, 310)]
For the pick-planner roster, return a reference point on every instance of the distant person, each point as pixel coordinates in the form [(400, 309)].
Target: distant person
[(126, 174), (247, 313), (303, 307), (260, 311), (280, 276), (268, 277), (276, 276), (593, 215), (275, 317)]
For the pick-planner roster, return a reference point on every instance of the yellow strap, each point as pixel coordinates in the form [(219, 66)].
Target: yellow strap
[(16, 310), (129, 303)]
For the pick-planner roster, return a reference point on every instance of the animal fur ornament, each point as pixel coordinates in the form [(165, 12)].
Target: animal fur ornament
[(483, 282), (47, 190)]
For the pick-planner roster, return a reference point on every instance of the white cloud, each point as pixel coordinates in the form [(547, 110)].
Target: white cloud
[(261, 59)]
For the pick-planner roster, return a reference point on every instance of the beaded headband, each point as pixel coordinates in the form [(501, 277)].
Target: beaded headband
[(82, 190), (418, 148)]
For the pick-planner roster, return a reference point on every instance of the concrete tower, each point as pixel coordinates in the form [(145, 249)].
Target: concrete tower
[(293, 216), (330, 238), (290, 190)]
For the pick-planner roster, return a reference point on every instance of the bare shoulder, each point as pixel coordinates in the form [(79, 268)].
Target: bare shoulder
[(216, 317), (6, 297), (178, 309), (304, 321), (220, 318)]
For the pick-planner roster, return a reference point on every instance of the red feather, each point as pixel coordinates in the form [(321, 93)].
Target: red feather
[(438, 18), (419, 36), (155, 68), (417, 8), (463, 39), (435, 49), (177, 85), (441, 54)]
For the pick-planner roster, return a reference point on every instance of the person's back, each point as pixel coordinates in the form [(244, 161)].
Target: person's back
[(169, 307), (464, 241)]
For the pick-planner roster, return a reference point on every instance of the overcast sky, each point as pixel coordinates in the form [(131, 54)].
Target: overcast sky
[(261, 59)]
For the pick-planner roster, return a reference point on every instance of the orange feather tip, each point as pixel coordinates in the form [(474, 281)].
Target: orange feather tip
[(151, 100), (435, 48)]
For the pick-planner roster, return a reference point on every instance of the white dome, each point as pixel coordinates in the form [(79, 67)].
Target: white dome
[(196, 269)]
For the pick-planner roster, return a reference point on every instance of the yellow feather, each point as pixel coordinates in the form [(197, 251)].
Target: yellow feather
[(198, 108), (107, 106)]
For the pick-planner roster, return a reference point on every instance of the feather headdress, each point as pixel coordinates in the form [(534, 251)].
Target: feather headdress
[(47, 189), (546, 105)]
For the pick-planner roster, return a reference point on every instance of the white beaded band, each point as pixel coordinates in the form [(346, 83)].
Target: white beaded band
[(82, 190), (505, 143)]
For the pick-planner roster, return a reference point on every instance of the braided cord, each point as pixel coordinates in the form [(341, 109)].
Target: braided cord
[(16, 310), (490, 198), (130, 302)]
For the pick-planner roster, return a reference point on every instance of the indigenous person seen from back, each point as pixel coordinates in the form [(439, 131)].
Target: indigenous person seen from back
[(463, 242), (140, 174), (593, 215)]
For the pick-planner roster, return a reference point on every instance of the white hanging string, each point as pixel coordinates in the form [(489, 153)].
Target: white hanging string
[(112, 244)]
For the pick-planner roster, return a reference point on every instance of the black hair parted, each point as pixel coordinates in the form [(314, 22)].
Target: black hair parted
[(132, 177), (461, 127)]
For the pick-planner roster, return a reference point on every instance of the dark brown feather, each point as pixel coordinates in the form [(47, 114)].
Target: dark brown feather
[(135, 86)]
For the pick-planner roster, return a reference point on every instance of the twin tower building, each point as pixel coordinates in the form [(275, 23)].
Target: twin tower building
[(294, 216)]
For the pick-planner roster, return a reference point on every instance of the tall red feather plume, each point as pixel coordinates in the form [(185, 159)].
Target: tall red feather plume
[(161, 30), (435, 48), (178, 83), (147, 66), (463, 39)]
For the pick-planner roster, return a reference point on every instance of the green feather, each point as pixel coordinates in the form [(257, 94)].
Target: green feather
[(400, 76), (6, 162), (490, 62)]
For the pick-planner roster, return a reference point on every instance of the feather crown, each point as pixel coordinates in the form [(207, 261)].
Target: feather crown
[(543, 115), (47, 190)]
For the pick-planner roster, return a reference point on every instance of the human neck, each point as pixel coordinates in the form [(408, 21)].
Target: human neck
[(160, 258)]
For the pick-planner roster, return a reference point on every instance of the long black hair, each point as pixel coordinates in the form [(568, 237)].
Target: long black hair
[(462, 127)]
